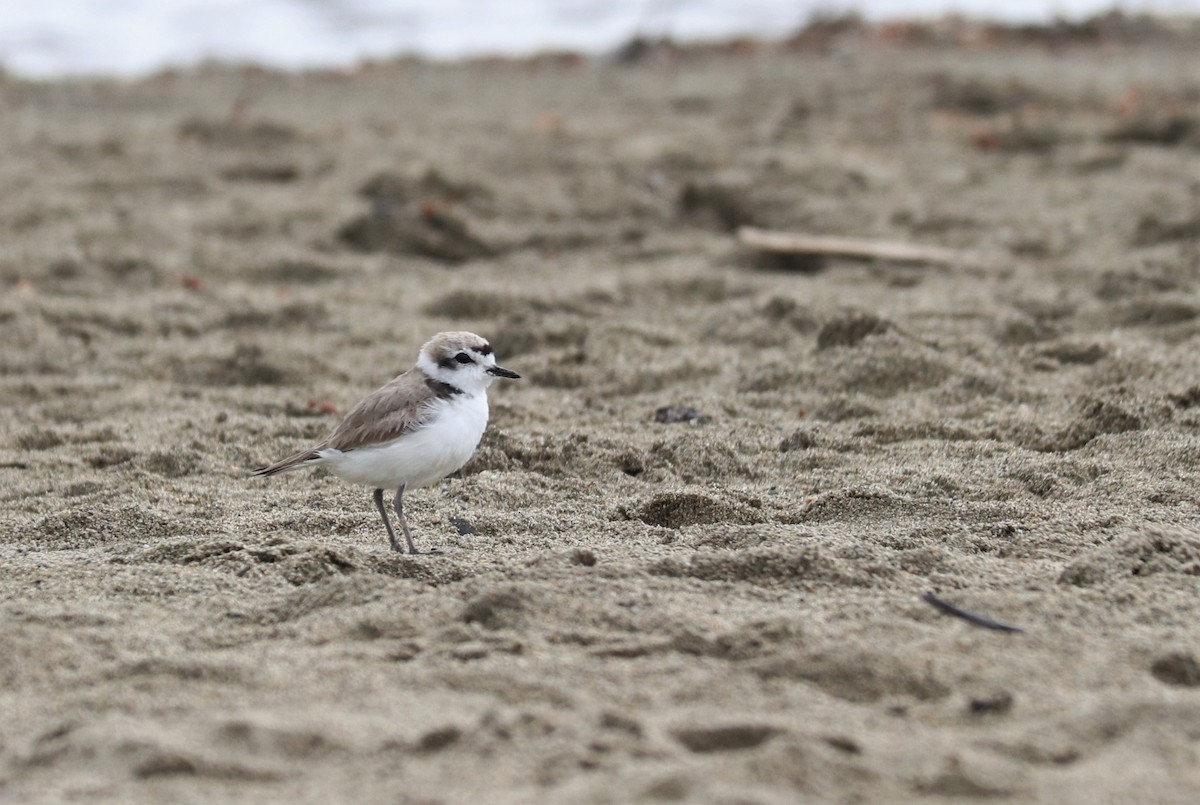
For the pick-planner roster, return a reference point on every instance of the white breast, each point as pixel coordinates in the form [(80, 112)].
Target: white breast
[(420, 457)]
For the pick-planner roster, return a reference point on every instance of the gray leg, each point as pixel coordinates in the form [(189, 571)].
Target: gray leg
[(398, 502), (387, 523)]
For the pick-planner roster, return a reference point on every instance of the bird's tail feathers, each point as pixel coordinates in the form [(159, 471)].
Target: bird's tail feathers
[(296, 461)]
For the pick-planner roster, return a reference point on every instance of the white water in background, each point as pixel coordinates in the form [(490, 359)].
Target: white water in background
[(45, 38)]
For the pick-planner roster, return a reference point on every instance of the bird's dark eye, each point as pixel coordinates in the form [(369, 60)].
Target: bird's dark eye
[(463, 357)]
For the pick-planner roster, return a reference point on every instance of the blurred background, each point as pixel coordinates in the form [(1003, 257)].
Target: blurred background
[(132, 37)]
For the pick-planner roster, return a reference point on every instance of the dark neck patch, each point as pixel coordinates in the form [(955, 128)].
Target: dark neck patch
[(444, 391)]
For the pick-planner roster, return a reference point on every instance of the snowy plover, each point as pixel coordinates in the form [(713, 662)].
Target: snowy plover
[(417, 429)]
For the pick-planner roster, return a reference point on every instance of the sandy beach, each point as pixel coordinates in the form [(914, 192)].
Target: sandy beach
[(720, 603)]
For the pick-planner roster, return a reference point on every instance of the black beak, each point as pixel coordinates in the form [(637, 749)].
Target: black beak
[(500, 371)]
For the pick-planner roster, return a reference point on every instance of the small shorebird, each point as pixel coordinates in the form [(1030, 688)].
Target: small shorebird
[(417, 429)]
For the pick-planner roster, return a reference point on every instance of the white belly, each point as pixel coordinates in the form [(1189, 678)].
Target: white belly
[(420, 457)]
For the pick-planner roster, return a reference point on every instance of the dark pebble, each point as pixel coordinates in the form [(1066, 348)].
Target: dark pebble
[(670, 414), (463, 527), (1177, 668)]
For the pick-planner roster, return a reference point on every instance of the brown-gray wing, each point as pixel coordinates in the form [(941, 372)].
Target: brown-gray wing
[(401, 406)]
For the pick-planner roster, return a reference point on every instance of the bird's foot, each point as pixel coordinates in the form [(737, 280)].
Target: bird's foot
[(415, 552)]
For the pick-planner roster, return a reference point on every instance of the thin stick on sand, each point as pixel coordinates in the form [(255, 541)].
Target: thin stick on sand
[(970, 617), (799, 244)]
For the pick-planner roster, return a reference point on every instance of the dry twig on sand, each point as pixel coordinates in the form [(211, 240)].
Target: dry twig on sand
[(970, 617), (799, 244)]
